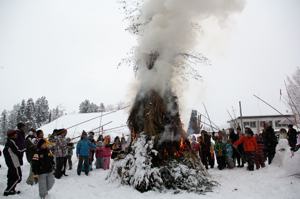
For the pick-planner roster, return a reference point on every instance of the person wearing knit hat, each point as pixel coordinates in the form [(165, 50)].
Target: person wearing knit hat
[(82, 151), (11, 154), (42, 167)]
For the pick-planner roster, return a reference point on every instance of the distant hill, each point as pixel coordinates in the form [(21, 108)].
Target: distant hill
[(117, 119)]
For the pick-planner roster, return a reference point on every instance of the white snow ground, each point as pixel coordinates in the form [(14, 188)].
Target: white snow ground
[(117, 119), (276, 181)]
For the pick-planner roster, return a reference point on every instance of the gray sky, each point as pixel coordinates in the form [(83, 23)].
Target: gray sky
[(68, 51)]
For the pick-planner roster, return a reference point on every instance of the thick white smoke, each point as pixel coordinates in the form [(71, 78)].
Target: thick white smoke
[(169, 30)]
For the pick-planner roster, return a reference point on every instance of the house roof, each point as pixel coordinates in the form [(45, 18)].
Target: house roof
[(263, 116)]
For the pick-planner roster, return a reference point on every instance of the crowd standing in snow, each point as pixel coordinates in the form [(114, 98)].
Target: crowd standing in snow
[(48, 158)]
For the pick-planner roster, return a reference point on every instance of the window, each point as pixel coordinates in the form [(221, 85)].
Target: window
[(253, 124), (246, 124), (277, 123)]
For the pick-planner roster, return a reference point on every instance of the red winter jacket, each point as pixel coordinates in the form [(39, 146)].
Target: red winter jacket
[(250, 144)]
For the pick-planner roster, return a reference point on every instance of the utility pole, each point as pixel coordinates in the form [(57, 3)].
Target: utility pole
[(241, 116)]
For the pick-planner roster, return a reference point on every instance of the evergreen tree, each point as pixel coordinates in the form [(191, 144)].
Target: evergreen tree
[(21, 112), (30, 114), (93, 108), (56, 113), (3, 126), (41, 111), (12, 118), (101, 107), (84, 106)]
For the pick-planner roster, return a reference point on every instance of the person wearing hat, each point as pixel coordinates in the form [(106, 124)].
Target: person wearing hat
[(82, 151), (11, 154), (60, 152), (42, 167), (250, 146), (292, 137), (270, 141)]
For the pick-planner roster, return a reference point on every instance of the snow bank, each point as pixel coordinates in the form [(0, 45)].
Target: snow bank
[(284, 159)]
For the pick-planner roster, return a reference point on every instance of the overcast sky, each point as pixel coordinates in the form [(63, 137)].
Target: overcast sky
[(68, 51)]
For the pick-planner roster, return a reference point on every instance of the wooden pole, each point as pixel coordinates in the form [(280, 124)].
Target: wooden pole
[(233, 120), (241, 116), (272, 108), (208, 118)]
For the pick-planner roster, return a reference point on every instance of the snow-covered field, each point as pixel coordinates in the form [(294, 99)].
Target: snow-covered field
[(276, 181), (112, 120)]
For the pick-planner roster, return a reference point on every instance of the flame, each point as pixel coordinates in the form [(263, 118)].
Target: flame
[(181, 144)]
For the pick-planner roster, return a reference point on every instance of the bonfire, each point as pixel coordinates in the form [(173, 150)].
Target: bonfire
[(159, 156)]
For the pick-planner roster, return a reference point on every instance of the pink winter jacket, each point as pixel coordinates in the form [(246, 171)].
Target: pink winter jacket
[(103, 152)]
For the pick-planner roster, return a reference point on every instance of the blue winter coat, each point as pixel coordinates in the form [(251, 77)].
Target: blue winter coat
[(83, 147), (229, 150)]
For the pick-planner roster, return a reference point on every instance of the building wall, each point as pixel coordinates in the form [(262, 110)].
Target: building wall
[(256, 124)]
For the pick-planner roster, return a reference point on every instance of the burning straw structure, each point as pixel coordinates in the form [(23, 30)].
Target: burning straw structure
[(159, 156)]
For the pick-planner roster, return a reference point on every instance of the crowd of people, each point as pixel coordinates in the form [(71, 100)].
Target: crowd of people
[(235, 149), (51, 158)]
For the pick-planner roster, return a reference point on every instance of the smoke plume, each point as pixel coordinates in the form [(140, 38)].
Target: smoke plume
[(168, 29)]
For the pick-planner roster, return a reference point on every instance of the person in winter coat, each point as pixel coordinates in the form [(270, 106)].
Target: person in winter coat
[(233, 137), (259, 154), (92, 150), (292, 137), (42, 167), (106, 153), (99, 155), (270, 142), (123, 144), (70, 147), (12, 155), (20, 141), (60, 153), (82, 151), (30, 143), (116, 148), (220, 153), (229, 154), (240, 149), (195, 146), (250, 146), (205, 144)]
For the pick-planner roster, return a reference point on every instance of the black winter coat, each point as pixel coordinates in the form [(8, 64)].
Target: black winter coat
[(42, 162), (12, 154), (292, 137)]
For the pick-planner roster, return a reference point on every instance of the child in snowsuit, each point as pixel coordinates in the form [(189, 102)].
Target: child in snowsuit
[(12, 156), (116, 148), (259, 154), (106, 153), (42, 165), (229, 155), (70, 147), (82, 151), (99, 155), (250, 146), (220, 153)]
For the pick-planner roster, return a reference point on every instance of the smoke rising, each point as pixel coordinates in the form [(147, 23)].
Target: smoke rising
[(167, 28)]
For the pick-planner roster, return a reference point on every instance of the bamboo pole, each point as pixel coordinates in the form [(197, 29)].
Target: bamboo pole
[(208, 117), (273, 108)]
